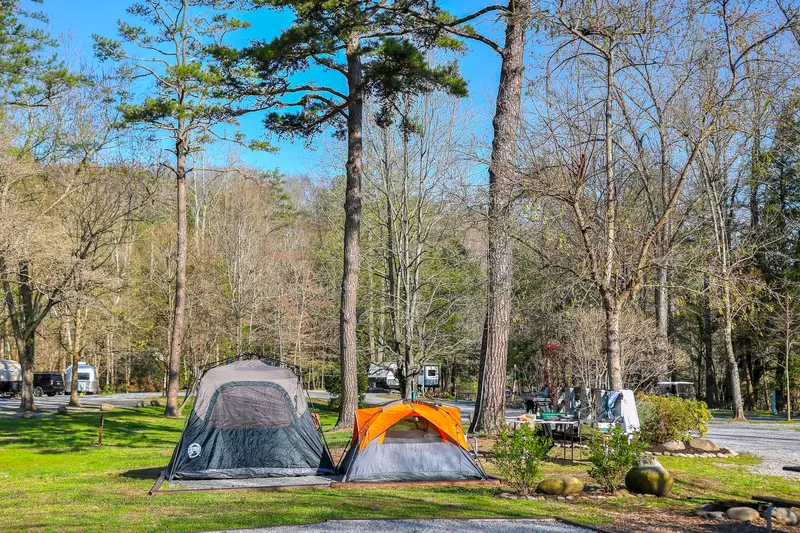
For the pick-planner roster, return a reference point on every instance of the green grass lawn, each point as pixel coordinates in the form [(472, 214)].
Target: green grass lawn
[(55, 478)]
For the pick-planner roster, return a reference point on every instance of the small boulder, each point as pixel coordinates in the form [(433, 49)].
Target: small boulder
[(655, 480), (106, 407), (784, 515), (560, 486), (673, 445), (716, 515), (28, 414), (155, 403), (703, 444), (62, 410), (742, 514)]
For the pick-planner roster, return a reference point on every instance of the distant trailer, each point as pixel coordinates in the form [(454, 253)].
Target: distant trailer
[(381, 376), (429, 376), (10, 376), (681, 389), (88, 382)]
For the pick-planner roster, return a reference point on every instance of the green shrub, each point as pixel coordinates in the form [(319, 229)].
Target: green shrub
[(334, 386), (518, 456), (666, 418), (611, 456)]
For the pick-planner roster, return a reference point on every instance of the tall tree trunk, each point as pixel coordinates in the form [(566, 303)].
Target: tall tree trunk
[(733, 366), (75, 353), (750, 398), (178, 324), (613, 355), (26, 361), (662, 319), (787, 354), (28, 353), (490, 408), (707, 332), (611, 301), (352, 236)]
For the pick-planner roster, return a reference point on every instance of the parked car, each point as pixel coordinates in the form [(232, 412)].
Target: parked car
[(87, 379), (50, 383), (10, 376)]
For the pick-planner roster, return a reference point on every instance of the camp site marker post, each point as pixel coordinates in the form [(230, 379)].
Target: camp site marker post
[(100, 431)]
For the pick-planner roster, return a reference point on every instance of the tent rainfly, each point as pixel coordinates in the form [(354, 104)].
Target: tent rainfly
[(250, 419), (409, 441)]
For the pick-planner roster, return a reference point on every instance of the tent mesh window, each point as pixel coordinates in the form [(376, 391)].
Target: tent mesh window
[(412, 429), (251, 407)]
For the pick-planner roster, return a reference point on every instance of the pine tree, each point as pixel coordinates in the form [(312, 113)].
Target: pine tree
[(376, 49), (170, 49)]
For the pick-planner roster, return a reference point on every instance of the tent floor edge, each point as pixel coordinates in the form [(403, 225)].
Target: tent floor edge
[(345, 484), (266, 488)]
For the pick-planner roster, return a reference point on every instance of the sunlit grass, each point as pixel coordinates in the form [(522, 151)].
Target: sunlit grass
[(55, 478)]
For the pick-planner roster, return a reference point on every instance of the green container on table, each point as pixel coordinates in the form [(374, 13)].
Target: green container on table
[(550, 416)]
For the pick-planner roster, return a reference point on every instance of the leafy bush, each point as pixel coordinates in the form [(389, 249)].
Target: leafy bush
[(518, 456), (611, 456), (666, 418)]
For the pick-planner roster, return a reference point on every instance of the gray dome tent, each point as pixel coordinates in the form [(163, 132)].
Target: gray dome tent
[(250, 419)]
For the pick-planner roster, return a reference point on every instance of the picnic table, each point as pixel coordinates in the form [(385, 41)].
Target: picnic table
[(569, 428)]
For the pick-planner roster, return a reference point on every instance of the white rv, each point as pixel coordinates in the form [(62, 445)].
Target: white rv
[(88, 382), (428, 376), (10, 376), (381, 376)]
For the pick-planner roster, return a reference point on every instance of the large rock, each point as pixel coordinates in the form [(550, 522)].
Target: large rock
[(155, 403), (649, 480), (106, 407), (742, 514), (560, 486), (703, 444), (673, 445), (62, 410), (784, 515)]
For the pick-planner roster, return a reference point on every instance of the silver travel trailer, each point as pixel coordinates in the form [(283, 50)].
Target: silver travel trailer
[(88, 382), (10, 376), (381, 376)]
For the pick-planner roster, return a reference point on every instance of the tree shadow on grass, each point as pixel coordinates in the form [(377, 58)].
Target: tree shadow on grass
[(125, 428)]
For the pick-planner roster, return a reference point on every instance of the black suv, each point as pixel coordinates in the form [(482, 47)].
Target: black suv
[(50, 383)]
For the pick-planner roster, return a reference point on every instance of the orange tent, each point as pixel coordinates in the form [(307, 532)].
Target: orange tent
[(409, 441), (373, 422)]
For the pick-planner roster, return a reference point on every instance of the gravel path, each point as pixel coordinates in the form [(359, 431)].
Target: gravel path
[(778, 445), (424, 526)]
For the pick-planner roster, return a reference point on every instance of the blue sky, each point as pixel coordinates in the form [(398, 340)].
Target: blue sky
[(82, 18)]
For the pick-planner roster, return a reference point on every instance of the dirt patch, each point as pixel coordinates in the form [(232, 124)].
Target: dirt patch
[(664, 521)]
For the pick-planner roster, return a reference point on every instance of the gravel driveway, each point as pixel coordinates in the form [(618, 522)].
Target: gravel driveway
[(778, 445)]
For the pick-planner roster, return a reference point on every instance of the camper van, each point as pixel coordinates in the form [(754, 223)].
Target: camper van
[(10, 376), (88, 383)]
